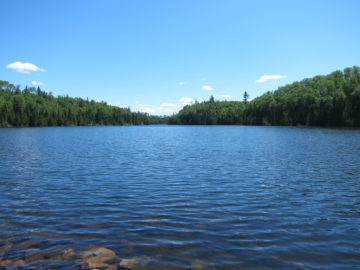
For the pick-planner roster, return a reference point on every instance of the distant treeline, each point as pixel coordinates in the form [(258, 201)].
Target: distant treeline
[(32, 107), (332, 100)]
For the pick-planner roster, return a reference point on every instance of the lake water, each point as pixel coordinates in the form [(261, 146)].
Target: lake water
[(180, 197)]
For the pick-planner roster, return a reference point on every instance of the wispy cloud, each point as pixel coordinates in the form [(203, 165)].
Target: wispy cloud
[(203, 79), (265, 78), (182, 83), (224, 96), (207, 88), (165, 110), (186, 101), (24, 67), (143, 105), (37, 83), (147, 110), (168, 105)]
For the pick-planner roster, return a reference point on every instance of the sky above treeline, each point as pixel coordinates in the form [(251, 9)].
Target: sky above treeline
[(156, 56)]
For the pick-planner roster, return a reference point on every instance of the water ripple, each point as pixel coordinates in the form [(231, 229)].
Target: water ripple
[(181, 197)]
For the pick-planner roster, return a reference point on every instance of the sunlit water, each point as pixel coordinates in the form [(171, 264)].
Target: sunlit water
[(182, 197)]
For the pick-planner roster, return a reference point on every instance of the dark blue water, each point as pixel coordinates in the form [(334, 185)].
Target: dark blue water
[(182, 197)]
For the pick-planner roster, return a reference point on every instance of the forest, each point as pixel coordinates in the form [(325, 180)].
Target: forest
[(32, 107), (332, 100)]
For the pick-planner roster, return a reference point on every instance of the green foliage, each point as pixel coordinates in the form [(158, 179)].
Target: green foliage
[(158, 120), (33, 107), (210, 113), (332, 100)]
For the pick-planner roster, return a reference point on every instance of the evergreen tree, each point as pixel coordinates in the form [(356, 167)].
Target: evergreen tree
[(245, 97)]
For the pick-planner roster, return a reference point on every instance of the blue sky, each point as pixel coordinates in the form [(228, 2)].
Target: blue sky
[(155, 56)]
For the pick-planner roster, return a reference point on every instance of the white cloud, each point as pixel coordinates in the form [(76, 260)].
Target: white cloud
[(168, 105), (164, 110), (24, 67), (144, 105), (37, 83), (265, 78), (167, 108), (207, 88), (186, 100), (225, 96), (147, 110), (182, 83), (203, 79)]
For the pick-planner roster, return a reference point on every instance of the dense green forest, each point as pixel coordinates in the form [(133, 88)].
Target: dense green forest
[(332, 100), (33, 107)]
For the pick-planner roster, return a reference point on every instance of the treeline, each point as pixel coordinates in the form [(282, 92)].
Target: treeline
[(32, 107), (210, 113), (332, 100), (158, 120)]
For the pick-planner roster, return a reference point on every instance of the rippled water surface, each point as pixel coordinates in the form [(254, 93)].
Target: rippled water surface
[(175, 197)]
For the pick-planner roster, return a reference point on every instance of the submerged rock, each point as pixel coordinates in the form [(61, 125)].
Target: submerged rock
[(6, 247), (201, 265), (135, 263), (198, 265), (68, 253), (5, 262), (63, 254), (97, 257), (29, 244), (10, 265), (33, 254)]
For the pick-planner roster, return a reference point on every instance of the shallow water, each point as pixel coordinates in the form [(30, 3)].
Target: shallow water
[(181, 197)]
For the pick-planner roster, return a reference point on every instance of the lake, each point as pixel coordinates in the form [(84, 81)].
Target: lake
[(179, 197)]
